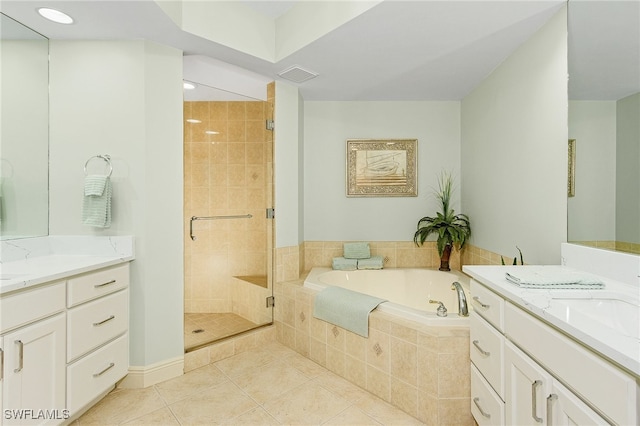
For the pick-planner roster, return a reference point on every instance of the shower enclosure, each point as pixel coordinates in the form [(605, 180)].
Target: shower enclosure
[(228, 197)]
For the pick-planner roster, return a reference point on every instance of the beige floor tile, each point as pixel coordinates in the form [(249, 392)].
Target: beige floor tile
[(341, 387), (213, 405), (385, 413), (244, 362), (307, 404), (305, 365), (270, 380), (352, 416), (163, 417), (192, 382), (256, 417), (123, 405)]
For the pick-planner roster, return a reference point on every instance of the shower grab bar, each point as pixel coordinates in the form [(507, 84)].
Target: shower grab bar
[(238, 216)]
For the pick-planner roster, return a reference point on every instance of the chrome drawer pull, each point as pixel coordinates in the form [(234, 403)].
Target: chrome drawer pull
[(534, 403), (550, 400), (482, 351), (95, 324), (103, 284), (477, 299), (105, 370), (476, 401), (20, 356)]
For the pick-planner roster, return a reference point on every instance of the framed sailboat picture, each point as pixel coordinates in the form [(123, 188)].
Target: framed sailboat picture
[(381, 167)]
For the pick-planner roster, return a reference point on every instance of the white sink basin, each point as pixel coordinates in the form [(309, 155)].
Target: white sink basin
[(616, 313)]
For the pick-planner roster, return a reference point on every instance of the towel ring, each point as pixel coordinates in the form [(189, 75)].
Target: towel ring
[(105, 157)]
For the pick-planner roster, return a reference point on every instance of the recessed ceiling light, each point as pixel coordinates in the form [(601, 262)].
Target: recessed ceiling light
[(193, 120), (55, 15), (188, 85)]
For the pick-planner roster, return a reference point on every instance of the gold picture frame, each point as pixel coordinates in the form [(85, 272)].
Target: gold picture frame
[(571, 181), (382, 168)]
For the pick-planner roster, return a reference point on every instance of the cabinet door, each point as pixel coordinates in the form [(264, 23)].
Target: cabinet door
[(1, 378), (527, 387), (566, 409), (34, 366)]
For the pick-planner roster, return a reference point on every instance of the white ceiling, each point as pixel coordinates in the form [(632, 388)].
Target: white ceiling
[(397, 50)]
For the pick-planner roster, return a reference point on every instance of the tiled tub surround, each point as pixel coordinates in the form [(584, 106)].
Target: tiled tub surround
[(423, 370), (293, 261)]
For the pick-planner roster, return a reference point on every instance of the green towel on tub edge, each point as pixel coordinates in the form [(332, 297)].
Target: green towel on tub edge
[(345, 308)]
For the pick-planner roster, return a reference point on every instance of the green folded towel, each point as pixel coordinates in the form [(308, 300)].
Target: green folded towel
[(374, 262), (357, 250), (342, 264), (345, 308), (96, 204)]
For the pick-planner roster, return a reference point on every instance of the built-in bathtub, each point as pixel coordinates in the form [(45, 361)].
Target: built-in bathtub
[(408, 291), (413, 359)]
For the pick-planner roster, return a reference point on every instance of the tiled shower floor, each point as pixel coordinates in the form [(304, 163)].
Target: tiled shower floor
[(200, 329), (269, 385)]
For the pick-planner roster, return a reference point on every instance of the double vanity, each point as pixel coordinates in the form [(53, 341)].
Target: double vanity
[(553, 357), (64, 321)]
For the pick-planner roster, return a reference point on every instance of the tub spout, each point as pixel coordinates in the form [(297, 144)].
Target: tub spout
[(463, 311)]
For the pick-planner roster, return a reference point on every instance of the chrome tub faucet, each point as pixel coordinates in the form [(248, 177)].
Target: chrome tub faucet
[(463, 310)]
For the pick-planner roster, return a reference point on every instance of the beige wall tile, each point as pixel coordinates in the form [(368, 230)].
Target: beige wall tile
[(404, 396), (378, 383), (378, 350), (403, 361)]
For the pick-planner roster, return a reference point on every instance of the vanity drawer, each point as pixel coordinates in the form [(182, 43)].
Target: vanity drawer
[(96, 284), (88, 377), (94, 323), (487, 352), (488, 304), (31, 305), (487, 408)]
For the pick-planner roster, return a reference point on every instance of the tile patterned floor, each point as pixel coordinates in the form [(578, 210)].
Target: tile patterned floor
[(214, 326), (272, 385)]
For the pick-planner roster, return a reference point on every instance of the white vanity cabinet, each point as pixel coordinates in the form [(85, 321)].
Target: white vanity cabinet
[(63, 344), (97, 334), (487, 356), (32, 330), (525, 372)]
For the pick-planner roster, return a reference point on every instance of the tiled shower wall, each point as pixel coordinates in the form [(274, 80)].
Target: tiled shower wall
[(228, 172)]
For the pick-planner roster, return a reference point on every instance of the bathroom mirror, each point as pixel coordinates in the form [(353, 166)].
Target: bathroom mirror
[(24, 132), (604, 111)]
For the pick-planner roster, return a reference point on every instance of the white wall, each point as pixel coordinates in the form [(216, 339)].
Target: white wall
[(628, 170), (328, 213), (124, 98), (288, 201), (592, 212), (514, 150)]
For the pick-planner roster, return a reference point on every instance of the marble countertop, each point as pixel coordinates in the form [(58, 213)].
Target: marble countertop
[(33, 261), (619, 343)]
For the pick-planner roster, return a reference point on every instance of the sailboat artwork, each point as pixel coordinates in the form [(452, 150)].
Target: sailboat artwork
[(385, 167), (381, 167)]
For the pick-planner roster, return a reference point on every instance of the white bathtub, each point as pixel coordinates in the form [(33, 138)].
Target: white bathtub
[(407, 291)]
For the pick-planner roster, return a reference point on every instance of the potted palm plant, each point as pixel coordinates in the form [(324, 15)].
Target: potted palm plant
[(452, 230)]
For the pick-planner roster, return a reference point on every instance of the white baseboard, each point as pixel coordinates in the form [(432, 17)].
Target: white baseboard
[(149, 375)]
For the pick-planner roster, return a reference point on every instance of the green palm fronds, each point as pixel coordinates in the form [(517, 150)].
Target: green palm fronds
[(451, 228)]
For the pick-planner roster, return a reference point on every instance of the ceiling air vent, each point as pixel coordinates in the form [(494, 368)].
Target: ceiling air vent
[(297, 74)]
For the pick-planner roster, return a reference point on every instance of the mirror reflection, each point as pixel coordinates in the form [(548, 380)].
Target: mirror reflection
[(604, 119), (24, 135)]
